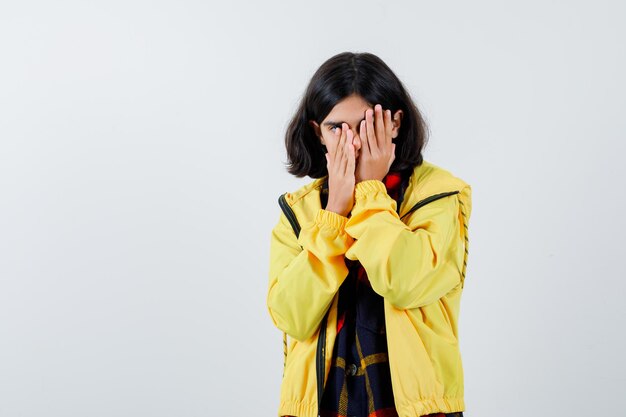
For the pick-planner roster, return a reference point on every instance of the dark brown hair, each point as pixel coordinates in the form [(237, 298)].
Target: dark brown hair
[(340, 76)]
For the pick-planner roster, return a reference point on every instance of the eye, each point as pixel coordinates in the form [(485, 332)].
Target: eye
[(332, 128)]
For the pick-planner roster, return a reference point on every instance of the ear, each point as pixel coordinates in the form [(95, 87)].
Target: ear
[(317, 130), (396, 119)]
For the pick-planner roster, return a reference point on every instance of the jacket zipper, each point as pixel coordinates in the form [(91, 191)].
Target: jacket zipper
[(427, 200), (320, 359), (289, 214)]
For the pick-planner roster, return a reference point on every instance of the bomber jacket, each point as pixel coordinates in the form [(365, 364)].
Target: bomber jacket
[(415, 258)]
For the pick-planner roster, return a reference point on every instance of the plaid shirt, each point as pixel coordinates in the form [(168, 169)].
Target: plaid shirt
[(359, 382)]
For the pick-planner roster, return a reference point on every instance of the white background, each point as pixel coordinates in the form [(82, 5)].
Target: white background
[(142, 156)]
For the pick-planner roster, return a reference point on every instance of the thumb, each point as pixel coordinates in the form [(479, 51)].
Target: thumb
[(393, 154)]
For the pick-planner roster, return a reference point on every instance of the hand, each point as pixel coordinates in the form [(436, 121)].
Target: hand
[(340, 160), (377, 150)]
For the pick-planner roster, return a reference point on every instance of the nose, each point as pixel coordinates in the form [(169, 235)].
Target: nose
[(357, 140), (356, 137)]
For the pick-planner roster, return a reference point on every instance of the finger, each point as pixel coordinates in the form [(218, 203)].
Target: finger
[(340, 145), (363, 136), (351, 160), (371, 133), (388, 127), (331, 145), (379, 126), (349, 148)]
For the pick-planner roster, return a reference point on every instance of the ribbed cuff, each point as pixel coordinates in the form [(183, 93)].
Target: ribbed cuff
[(331, 219), (366, 187)]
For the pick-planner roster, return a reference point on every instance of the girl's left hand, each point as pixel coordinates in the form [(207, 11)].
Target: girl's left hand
[(377, 150)]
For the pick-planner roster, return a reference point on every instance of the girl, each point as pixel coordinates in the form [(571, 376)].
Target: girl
[(367, 261)]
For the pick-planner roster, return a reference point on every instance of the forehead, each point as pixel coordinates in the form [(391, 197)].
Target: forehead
[(350, 109)]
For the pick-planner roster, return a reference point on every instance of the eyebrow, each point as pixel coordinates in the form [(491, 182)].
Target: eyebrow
[(331, 123)]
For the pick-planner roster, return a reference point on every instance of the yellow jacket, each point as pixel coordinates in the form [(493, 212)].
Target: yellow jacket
[(415, 259)]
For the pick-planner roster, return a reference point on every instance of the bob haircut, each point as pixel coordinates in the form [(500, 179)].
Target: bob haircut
[(340, 76)]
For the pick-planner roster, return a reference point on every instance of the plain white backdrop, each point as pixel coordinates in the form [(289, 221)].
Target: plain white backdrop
[(142, 156)]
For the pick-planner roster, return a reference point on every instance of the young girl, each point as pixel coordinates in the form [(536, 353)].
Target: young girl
[(367, 261)]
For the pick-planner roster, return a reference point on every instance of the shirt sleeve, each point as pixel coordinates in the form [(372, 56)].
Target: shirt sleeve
[(306, 272), (411, 265)]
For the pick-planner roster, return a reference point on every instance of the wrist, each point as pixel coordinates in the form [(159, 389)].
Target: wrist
[(335, 209)]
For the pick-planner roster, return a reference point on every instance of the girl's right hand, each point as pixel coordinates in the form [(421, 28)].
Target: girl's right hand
[(341, 165)]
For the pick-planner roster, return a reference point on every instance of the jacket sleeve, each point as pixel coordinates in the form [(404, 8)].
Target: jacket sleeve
[(306, 272), (409, 265)]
